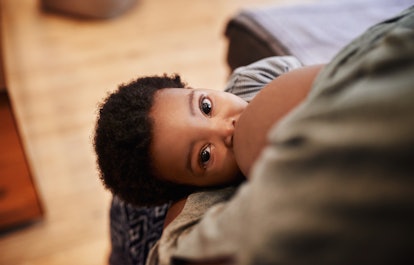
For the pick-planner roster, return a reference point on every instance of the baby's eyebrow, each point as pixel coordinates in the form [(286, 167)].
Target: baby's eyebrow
[(190, 102)]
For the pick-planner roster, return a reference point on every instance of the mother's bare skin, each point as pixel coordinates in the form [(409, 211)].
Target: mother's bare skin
[(273, 102)]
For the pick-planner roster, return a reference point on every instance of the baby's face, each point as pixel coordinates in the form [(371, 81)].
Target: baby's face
[(193, 136)]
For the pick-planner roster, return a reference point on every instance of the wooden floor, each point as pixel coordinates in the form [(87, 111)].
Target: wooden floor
[(58, 69)]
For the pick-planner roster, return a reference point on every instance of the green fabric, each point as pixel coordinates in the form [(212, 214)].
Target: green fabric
[(335, 184), (341, 167)]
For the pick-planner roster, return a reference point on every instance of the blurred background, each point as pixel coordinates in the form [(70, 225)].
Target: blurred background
[(57, 64)]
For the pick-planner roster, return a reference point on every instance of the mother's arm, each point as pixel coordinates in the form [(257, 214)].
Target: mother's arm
[(273, 102)]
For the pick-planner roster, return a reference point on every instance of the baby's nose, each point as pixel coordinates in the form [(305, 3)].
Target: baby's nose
[(228, 140)]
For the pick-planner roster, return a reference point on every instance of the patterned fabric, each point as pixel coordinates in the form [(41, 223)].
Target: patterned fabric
[(135, 230)]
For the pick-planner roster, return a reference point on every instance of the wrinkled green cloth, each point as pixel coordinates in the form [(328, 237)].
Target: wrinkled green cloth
[(335, 184), (339, 173)]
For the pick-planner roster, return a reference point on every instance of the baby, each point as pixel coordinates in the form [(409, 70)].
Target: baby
[(158, 140)]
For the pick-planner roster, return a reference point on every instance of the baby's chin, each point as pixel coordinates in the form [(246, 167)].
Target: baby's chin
[(235, 180)]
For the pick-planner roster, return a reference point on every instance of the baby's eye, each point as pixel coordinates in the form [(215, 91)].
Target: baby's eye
[(206, 106), (205, 156)]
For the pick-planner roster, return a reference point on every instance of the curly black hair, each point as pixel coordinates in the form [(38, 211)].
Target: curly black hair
[(122, 140)]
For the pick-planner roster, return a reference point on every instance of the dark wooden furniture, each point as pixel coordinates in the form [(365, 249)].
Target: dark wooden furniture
[(19, 200)]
